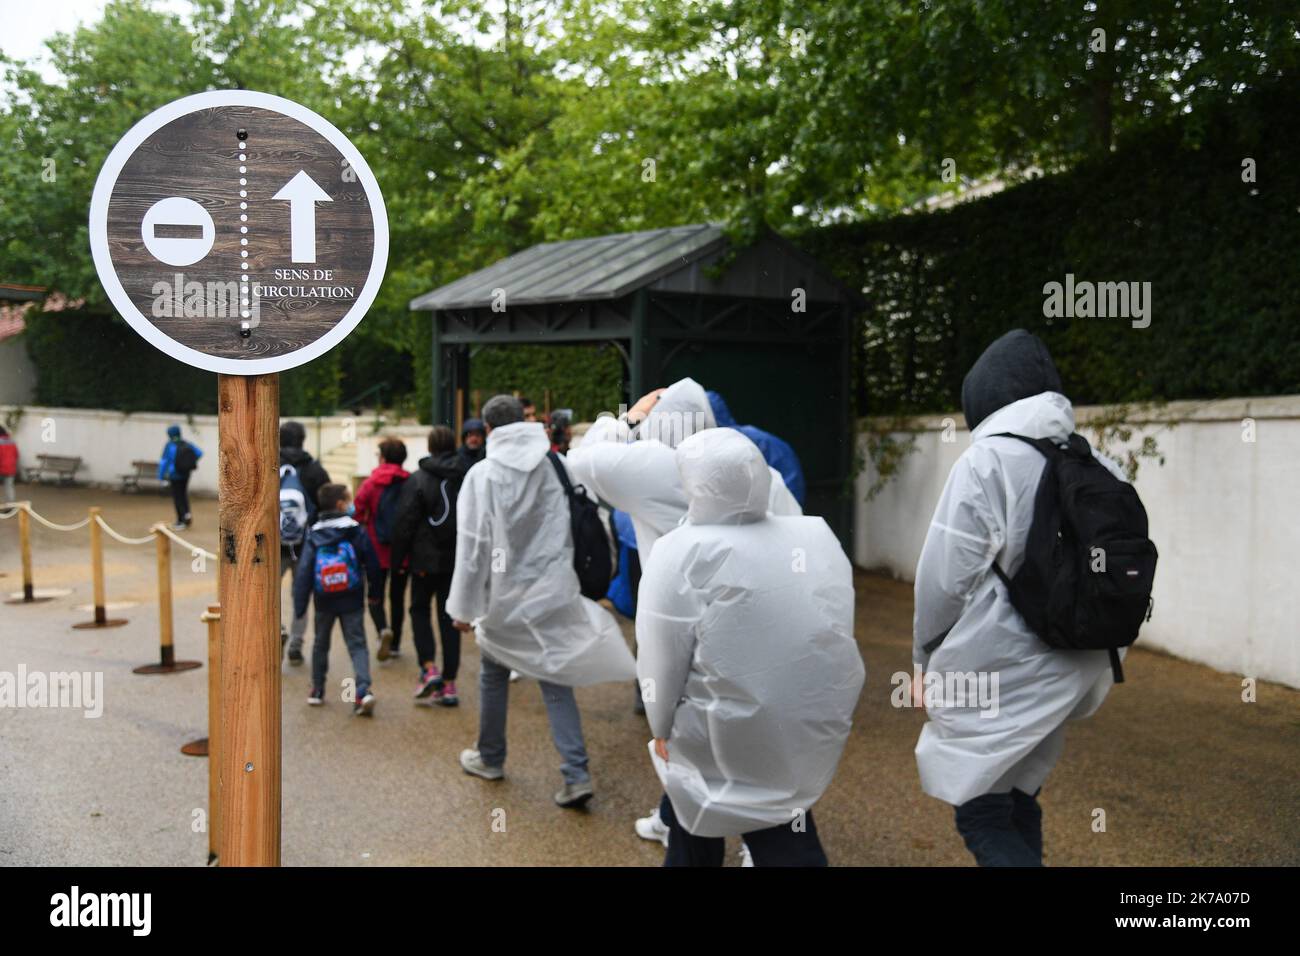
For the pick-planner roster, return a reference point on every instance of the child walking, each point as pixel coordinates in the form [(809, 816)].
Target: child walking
[(337, 561)]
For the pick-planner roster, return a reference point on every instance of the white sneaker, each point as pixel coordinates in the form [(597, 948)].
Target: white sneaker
[(472, 763), (746, 858), (574, 795), (514, 676), (652, 828)]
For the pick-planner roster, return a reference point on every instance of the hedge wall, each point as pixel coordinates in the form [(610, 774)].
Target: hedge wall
[(586, 378), (1171, 209), (97, 361)]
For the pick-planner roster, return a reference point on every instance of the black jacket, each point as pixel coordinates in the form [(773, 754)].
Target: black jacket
[(470, 458), (310, 473), (430, 551)]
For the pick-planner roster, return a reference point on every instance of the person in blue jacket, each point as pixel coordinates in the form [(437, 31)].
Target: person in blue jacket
[(337, 567), (179, 459), (776, 452)]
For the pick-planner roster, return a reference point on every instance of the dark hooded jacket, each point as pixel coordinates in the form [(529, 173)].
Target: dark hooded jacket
[(468, 455), (1015, 366), (428, 495), (333, 527)]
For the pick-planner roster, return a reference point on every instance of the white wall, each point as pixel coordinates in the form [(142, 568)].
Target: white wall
[(107, 442), (1224, 514)]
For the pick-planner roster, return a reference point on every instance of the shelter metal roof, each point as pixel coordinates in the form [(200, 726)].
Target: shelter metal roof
[(576, 270)]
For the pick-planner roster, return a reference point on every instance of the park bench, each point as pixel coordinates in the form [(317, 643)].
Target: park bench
[(62, 468), (146, 472)]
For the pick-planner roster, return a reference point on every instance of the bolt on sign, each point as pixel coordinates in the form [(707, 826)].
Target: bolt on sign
[(239, 232)]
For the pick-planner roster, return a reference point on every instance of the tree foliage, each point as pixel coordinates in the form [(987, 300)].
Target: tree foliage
[(495, 125)]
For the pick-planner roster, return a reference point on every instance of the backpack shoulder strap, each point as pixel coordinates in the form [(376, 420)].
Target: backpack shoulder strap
[(560, 471), (1044, 445)]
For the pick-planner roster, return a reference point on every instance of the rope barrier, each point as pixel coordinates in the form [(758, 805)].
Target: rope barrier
[(17, 506), (119, 538), (193, 548), (27, 506), (159, 535)]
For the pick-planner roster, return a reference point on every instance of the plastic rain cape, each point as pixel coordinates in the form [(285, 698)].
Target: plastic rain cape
[(514, 577), (745, 647)]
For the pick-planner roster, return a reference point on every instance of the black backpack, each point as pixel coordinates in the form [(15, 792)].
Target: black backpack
[(185, 461), (386, 511), (591, 553), (1086, 580)]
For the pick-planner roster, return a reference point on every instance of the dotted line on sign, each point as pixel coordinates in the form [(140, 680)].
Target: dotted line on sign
[(243, 230)]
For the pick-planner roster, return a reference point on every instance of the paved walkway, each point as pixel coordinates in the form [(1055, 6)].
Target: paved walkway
[(1186, 772)]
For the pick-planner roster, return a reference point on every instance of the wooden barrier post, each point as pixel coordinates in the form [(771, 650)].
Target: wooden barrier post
[(213, 617), (25, 546), (248, 758), (209, 746), (101, 618), (25, 541), (168, 664)]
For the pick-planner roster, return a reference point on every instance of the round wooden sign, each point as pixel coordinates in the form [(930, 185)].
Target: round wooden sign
[(239, 232)]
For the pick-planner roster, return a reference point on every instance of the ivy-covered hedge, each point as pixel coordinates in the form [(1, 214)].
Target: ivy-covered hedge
[(586, 378), (97, 361), (1171, 209)]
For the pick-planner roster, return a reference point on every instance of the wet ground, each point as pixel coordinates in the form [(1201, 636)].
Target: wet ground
[(1186, 772)]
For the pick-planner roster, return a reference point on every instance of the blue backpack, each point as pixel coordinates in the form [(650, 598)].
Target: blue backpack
[(338, 569)]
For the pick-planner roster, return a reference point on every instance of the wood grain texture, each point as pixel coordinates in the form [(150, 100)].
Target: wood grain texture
[(25, 545), (213, 619), (197, 157), (163, 547), (97, 565), (248, 410)]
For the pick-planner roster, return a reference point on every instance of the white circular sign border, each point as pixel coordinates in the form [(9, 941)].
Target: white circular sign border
[(160, 117)]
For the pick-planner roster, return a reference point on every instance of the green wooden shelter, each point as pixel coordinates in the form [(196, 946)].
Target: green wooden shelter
[(766, 326)]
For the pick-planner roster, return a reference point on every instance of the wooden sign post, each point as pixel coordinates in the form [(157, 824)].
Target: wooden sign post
[(249, 554), (243, 234)]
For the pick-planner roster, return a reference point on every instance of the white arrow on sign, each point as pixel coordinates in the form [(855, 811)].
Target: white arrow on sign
[(303, 194)]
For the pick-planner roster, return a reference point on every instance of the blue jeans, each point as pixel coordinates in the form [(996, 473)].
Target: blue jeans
[(354, 636), (1003, 829), (288, 562), (561, 711)]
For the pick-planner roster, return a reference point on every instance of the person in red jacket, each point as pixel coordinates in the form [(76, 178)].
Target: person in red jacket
[(8, 462), (376, 509)]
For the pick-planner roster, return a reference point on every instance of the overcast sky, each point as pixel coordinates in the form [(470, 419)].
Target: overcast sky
[(25, 25)]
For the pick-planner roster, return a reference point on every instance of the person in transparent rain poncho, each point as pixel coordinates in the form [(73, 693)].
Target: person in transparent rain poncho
[(629, 462), (989, 757), (515, 587), (747, 661)]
